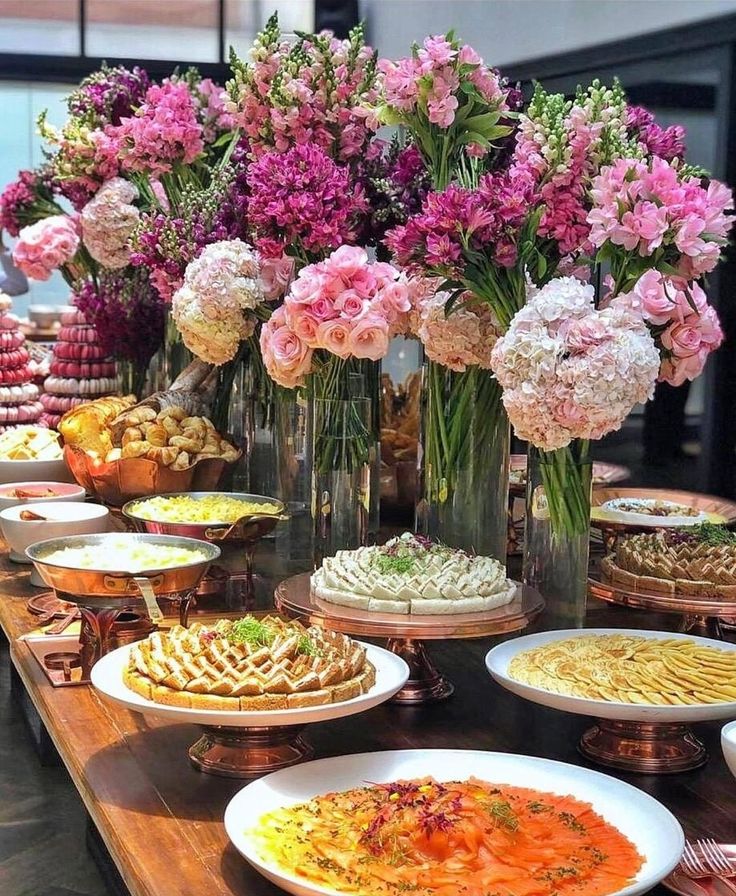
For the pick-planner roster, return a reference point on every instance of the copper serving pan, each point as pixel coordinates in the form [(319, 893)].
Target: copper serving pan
[(137, 477), (116, 588), (248, 529)]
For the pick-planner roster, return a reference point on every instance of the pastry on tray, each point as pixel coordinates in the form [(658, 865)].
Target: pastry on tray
[(411, 574), (698, 562), (651, 507), (249, 664)]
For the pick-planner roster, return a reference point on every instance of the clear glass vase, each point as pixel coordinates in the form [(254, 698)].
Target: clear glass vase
[(557, 531), (464, 461), (170, 360), (344, 457)]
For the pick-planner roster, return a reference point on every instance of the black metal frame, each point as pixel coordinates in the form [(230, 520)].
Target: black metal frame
[(339, 15)]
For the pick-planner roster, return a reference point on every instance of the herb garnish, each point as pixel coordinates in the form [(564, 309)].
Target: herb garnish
[(251, 631), (569, 820), (503, 815)]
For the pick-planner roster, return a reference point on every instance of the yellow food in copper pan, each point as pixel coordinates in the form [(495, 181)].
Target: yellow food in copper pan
[(210, 509)]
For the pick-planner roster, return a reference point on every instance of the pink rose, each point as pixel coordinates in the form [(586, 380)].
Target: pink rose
[(46, 245), (305, 325), (276, 274), (395, 297), (676, 371), (334, 336), (351, 305), (346, 260), (657, 296), (369, 338), (683, 339)]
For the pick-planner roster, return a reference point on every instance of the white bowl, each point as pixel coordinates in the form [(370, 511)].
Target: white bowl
[(728, 745), (35, 471), (65, 491), (62, 518)]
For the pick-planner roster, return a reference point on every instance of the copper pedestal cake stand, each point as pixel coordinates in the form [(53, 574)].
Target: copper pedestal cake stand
[(406, 634), (698, 615), (634, 737), (249, 743)]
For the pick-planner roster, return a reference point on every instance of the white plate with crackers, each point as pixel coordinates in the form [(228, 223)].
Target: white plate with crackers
[(682, 671), (391, 675)]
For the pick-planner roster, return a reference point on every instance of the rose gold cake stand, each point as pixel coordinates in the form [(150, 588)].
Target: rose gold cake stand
[(406, 634), (698, 616)]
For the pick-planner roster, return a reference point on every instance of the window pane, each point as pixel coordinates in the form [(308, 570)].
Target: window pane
[(244, 18), (141, 29), (44, 26)]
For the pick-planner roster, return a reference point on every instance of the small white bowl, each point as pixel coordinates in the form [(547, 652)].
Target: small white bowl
[(728, 745), (64, 491), (35, 471), (62, 518)]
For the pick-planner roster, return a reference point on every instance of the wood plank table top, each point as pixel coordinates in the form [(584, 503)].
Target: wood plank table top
[(162, 821)]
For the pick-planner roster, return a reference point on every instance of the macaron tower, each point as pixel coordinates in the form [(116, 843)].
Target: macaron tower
[(19, 404), (79, 371)]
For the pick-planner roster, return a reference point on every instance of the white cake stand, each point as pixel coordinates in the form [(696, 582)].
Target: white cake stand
[(248, 744), (630, 736)]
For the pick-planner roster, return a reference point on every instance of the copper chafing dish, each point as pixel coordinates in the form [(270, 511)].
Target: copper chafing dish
[(115, 589), (248, 529)]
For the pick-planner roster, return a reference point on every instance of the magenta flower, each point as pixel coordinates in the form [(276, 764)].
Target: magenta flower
[(301, 200)]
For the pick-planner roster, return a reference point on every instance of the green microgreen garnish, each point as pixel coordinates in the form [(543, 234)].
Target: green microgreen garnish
[(251, 631)]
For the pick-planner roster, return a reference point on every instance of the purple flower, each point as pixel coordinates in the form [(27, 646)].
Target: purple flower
[(301, 200), (26, 200), (109, 95), (668, 143), (127, 313)]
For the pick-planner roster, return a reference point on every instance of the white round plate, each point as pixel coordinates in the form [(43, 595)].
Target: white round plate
[(391, 675), (652, 828), (498, 659)]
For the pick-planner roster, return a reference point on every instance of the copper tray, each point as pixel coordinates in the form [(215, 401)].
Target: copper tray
[(603, 474), (722, 510), (406, 634), (699, 615)]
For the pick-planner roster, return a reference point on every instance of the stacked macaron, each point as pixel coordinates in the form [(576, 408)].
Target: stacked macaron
[(79, 371), (19, 402)]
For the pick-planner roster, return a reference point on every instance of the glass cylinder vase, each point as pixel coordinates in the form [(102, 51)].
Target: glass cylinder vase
[(557, 531), (343, 454), (464, 461), (170, 360)]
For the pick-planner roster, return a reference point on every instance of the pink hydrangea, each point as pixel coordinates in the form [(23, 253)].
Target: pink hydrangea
[(569, 371), (108, 221), (463, 338), (344, 306), (164, 131), (684, 326), (213, 307), (45, 246), (645, 207)]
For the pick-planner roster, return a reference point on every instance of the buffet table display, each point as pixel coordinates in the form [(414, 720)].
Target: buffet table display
[(644, 689), (258, 683), (145, 797)]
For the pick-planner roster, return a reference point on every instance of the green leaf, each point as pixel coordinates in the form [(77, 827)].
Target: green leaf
[(482, 123), (475, 137)]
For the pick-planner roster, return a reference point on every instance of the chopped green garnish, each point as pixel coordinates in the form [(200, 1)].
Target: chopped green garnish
[(251, 631), (503, 815), (712, 534), (307, 646), (395, 563)]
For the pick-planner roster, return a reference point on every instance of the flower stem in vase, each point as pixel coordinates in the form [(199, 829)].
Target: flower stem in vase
[(344, 454), (557, 530), (465, 461)]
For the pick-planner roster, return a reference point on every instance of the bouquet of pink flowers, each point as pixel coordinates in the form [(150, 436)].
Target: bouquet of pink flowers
[(451, 102), (341, 308), (311, 91)]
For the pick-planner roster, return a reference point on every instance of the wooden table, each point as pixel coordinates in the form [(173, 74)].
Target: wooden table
[(162, 821)]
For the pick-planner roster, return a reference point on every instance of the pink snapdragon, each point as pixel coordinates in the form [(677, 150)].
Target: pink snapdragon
[(163, 131), (345, 306), (569, 371), (45, 246)]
